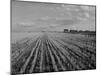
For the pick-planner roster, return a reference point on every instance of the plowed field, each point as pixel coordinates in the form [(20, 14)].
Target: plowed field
[(53, 52)]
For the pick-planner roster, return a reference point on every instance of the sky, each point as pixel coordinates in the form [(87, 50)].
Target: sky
[(37, 16)]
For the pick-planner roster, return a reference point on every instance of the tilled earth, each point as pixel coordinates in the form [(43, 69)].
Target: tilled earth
[(51, 53)]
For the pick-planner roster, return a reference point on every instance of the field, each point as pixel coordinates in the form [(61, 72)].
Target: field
[(52, 52)]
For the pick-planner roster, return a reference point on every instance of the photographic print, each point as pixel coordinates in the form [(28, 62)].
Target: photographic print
[(52, 37)]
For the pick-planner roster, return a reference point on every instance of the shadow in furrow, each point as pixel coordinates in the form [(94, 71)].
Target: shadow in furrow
[(84, 60), (29, 59), (60, 66), (64, 59), (19, 62), (52, 57)]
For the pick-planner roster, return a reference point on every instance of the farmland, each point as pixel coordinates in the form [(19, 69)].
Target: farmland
[(52, 52)]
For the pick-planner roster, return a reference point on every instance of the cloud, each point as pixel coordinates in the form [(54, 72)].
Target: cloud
[(86, 8), (58, 21), (41, 15)]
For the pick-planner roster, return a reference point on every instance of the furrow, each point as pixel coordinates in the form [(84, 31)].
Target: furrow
[(41, 62), (52, 57), (35, 58), (28, 59), (55, 53), (79, 59), (80, 51), (68, 56), (89, 48)]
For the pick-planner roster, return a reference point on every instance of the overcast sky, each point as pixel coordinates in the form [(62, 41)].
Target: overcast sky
[(27, 16)]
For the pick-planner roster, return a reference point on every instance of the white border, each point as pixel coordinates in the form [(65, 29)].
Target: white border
[(5, 36)]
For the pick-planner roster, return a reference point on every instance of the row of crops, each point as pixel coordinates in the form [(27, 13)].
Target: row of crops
[(48, 53)]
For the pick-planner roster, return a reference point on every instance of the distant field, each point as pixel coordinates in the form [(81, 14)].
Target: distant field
[(17, 36), (52, 52)]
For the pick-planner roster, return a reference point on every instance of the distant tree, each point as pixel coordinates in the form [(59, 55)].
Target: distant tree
[(65, 30), (73, 31)]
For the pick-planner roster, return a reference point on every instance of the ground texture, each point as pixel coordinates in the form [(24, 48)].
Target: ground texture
[(53, 52)]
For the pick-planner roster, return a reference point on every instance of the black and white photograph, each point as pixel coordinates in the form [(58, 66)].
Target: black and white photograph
[(52, 37)]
